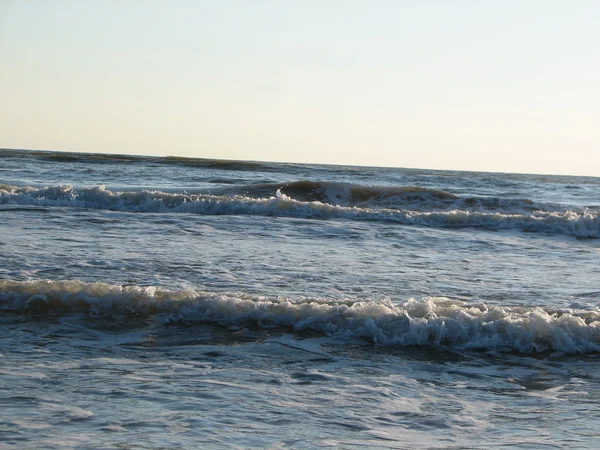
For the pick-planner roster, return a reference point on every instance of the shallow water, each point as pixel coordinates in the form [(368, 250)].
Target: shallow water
[(76, 383), (189, 303)]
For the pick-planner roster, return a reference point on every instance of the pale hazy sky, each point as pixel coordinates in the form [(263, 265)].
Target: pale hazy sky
[(477, 85)]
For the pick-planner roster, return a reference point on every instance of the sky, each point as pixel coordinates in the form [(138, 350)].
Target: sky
[(503, 86)]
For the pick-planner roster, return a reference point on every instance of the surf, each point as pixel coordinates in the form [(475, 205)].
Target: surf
[(437, 322), (581, 224)]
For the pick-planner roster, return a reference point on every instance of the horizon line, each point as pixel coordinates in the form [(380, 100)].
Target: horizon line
[(290, 162)]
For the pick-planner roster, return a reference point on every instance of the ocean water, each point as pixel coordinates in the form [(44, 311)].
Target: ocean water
[(191, 303)]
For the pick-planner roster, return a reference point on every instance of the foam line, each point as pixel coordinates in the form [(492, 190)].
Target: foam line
[(431, 322)]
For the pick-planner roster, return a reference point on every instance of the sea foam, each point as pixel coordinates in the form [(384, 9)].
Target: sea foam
[(581, 223), (430, 322)]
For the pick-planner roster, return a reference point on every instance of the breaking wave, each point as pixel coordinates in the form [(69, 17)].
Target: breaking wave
[(582, 224), (393, 197), (431, 322), (347, 194)]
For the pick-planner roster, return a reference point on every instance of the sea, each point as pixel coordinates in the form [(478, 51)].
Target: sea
[(181, 303)]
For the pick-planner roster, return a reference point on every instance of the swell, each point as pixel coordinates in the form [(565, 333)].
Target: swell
[(105, 158), (348, 194), (582, 224), (393, 197), (431, 322), (70, 157), (223, 164)]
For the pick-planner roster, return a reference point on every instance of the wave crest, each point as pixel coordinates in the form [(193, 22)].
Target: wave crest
[(582, 224), (431, 322)]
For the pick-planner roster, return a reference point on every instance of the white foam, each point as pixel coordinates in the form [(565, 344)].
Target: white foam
[(435, 322), (584, 224)]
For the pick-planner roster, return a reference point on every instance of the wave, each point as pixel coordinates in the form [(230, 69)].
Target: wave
[(341, 194), (224, 164), (431, 322), (348, 194), (393, 197), (102, 158), (72, 157), (582, 224)]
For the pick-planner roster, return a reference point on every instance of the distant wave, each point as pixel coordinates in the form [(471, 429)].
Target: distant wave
[(347, 194), (395, 197), (72, 157), (583, 224), (433, 322), (100, 158), (224, 164)]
